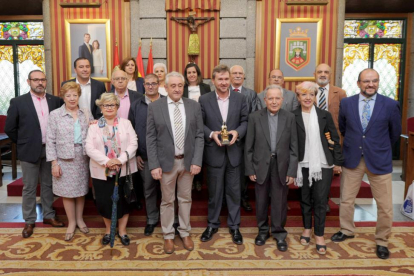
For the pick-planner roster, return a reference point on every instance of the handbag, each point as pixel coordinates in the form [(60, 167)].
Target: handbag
[(407, 207), (129, 192)]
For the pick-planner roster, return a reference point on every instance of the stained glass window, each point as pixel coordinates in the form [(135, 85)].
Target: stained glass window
[(373, 28), (31, 57), (387, 59), (356, 58), (7, 91), (21, 31)]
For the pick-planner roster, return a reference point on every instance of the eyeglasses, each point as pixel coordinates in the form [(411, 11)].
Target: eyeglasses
[(369, 81), (109, 106), (151, 84), (276, 77), (38, 80), (120, 79)]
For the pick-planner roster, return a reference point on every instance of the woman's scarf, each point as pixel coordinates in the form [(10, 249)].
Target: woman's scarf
[(112, 141), (313, 140)]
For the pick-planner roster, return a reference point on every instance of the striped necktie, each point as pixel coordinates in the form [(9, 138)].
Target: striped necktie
[(366, 114), (322, 99), (178, 127)]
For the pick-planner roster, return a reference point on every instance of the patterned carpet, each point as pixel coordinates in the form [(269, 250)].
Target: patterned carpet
[(46, 253)]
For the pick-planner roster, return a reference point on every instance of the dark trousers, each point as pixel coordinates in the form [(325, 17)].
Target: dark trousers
[(244, 182), (318, 196), (224, 180), (278, 203), (150, 187)]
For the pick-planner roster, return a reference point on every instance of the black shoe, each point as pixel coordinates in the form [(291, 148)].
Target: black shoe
[(149, 229), (281, 245), (328, 208), (208, 234), (236, 236), (246, 205), (340, 237), (261, 239), (106, 239), (124, 239), (382, 252), (175, 225)]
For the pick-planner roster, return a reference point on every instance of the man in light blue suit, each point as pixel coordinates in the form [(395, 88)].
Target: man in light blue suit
[(370, 124)]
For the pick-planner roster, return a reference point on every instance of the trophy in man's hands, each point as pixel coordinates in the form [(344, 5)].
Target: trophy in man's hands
[(224, 135)]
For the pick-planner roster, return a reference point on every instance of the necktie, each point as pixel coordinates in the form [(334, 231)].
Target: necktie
[(236, 90), (322, 99), (178, 126), (366, 114), (89, 48)]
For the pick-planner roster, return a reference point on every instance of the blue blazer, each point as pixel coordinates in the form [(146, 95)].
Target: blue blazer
[(375, 145)]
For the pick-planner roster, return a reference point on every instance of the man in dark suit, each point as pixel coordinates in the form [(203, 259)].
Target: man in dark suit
[(175, 152), (236, 80), (138, 117), (26, 125), (290, 102), (272, 161), (91, 89), (223, 161), (370, 124), (85, 50)]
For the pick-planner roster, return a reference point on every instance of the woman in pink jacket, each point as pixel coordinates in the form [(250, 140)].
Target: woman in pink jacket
[(106, 144)]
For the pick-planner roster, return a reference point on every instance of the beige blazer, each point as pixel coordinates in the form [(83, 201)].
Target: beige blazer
[(335, 95), (96, 150)]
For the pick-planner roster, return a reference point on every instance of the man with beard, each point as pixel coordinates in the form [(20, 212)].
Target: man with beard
[(370, 124), (26, 126)]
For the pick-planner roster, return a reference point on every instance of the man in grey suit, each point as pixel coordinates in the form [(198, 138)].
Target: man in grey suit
[(290, 102), (237, 79), (223, 161), (272, 161), (175, 145)]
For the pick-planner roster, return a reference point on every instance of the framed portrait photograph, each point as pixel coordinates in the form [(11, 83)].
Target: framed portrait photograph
[(90, 39), (298, 47)]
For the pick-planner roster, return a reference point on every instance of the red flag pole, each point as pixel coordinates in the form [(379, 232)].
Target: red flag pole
[(150, 64), (140, 64), (116, 56)]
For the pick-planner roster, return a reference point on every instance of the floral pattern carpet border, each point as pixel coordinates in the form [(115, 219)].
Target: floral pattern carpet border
[(46, 253)]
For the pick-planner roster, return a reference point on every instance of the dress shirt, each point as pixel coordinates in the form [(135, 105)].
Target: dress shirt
[(132, 85), (273, 121), (194, 92), (361, 104), (124, 105), (223, 104), (42, 110), (326, 91), (85, 98), (171, 107)]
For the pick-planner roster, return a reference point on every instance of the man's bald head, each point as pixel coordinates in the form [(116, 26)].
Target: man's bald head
[(236, 76), (322, 74)]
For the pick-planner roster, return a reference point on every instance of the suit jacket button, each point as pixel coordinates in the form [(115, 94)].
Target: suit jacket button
[(363, 136), (360, 147)]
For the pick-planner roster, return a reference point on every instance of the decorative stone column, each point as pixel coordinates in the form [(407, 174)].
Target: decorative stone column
[(47, 46), (340, 43)]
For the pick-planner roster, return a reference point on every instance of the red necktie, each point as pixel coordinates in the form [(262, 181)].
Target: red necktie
[(236, 90)]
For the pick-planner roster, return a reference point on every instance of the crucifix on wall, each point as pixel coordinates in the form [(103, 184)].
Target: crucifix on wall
[(194, 41)]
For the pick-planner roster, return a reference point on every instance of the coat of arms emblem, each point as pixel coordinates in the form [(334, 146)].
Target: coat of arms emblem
[(297, 48)]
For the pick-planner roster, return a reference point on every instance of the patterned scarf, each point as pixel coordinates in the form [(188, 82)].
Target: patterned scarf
[(112, 141)]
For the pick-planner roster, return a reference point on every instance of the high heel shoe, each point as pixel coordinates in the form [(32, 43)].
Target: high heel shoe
[(69, 236), (319, 247), (306, 239), (84, 230)]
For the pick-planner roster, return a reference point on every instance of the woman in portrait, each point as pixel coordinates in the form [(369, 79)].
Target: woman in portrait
[(106, 144), (194, 86), (65, 148), (135, 83), (98, 63), (161, 71), (319, 157)]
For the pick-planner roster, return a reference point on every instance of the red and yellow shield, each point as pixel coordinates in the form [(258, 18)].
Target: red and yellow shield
[(297, 52)]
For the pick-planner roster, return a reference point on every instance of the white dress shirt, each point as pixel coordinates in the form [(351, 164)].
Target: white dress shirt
[(85, 98), (171, 107), (326, 91)]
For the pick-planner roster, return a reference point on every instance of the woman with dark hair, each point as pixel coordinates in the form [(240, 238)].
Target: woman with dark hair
[(194, 86), (135, 83)]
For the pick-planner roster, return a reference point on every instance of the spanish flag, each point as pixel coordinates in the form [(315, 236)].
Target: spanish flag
[(140, 64)]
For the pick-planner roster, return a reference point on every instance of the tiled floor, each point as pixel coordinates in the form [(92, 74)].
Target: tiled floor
[(366, 208)]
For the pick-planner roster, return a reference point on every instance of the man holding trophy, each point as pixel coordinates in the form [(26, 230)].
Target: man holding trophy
[(222, 110)]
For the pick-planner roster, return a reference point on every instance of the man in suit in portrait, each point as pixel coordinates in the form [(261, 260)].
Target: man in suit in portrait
[(370, 124), (91, 89), (271, 157), (236, 80), (175, 152), (223, 108), (26, 125), (290, 102), (328, 97), (85, 50), (138, 117)]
